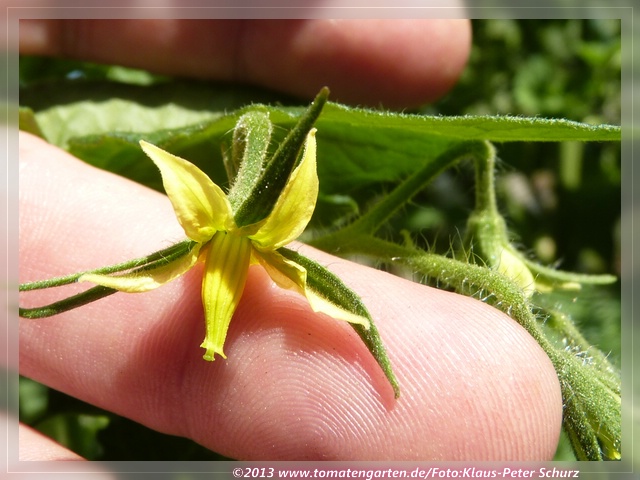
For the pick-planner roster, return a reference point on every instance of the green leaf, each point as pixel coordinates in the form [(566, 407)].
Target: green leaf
[(67, 109), (356, 148)]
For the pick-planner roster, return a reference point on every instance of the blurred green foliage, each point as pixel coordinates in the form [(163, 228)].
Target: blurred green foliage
[(549, 68)]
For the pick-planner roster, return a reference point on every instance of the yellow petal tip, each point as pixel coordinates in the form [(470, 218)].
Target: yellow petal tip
[(212, 351)]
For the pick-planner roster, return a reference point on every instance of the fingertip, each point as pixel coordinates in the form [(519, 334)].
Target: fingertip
[(393, 63)]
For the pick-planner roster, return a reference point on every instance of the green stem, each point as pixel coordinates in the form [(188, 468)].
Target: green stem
[(374, 218), (476, 280), (486, 234), (485, 180), (565, 328), (591, 395)]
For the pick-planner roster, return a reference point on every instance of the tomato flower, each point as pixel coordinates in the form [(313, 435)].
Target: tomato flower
[(204, 212), (271, 200)]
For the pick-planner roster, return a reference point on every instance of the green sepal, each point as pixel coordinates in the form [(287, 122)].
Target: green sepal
[(561, 279), (328, 286), (154, 260), (266, 191), (69, 303), (150, 262), (249, 147)]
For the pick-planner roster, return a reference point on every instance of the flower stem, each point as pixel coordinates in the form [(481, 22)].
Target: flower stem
[(485, 180), (590, 391), (374, 218)]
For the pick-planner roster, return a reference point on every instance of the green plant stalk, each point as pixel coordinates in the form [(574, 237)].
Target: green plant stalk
[(562, 325), (469, 279), (374, 218), (592, 407), (486, 235), (591, 396), (487, 238), (485, 162)]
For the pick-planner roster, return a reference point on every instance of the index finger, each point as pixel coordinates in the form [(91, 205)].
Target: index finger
[(296, 385)]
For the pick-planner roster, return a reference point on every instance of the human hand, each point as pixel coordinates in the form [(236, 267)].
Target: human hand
[(296, 385)]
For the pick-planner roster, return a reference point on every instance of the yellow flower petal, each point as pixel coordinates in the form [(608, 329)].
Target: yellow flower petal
[(143, 281), (288, 274), (295, 206), (201, 206), (224, 279), (512, 266), (284, 272)]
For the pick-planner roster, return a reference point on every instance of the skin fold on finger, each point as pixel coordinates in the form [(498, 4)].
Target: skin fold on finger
[(296, 385), (395, 63)]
